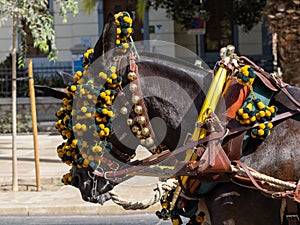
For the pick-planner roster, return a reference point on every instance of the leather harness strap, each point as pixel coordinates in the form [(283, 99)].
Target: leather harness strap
[(292, 212), (271, 81), (157, 158)]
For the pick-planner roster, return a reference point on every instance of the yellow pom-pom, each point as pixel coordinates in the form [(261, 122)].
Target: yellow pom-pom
[(101, 133), (78, 126), (249, 106), (114, 76), (118, 41), (127, 19), (78, 73), (129, 30), (261, 105), (110, 113), (113, 69), (272, 109), (262, 113), (104, 111), (244, 70), (107, 92), (103, 94), (73, 88), (245, 115), (125, 45), (82, 91), (262, 126), (83, 109), (106, 130), (89, 115), (103, 75), (260, 132), (253, 119), (241, 111), (85, 163), (83, 127), (118, 30), (270, 125), (117, 22), (268, 113)]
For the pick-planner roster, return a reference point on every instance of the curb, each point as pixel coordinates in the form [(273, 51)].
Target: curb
[(63, 210)]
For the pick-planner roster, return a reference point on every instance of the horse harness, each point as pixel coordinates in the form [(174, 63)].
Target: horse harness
[(214, 162)]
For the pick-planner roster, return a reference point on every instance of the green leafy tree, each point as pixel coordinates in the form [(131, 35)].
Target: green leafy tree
[(283, 21), (36, 15)]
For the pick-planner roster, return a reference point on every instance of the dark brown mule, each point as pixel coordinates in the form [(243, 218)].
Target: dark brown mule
[(177, 104)]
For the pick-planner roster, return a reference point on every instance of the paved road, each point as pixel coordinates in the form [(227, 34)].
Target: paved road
[(139, 219)]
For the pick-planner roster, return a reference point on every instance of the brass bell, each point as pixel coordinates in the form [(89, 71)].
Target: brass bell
[(145, 131), (130, 122), (132, 87), (131, 76), (138, 109), (141, 120), (149, 141), (135, 99), (143, 141), (124, 110), (135, 129), (139, 135)]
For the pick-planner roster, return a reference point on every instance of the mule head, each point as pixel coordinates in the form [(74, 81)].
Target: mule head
[(92, 188)]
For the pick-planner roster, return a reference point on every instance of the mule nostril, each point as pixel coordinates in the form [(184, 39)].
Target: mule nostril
[(75, 181)]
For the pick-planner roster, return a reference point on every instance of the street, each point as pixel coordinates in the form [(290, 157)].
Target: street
[(138, 219)]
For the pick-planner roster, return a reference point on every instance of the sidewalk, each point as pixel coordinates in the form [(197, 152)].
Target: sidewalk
[(55, 198)]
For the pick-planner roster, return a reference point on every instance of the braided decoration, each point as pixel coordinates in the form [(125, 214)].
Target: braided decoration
[(254, 110), (94, 117)]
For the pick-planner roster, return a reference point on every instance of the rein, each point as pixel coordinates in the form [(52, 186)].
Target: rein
[(157, 158)]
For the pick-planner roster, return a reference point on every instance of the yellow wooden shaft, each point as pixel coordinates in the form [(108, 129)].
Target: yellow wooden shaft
[(209, 105), (211, 101)]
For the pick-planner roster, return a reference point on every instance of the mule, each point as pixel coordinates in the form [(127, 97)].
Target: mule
[(174, 92)]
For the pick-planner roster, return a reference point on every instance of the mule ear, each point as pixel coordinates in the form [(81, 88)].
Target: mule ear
[(58, 93), (66, 77), (107, 40)]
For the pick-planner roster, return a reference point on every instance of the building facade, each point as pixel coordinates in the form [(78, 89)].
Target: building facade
[(82, 31)]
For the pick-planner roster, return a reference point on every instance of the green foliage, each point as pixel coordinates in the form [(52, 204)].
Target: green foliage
[(181, 12), (141, 7), (246, 13), (24, 123), (36, 15), (89, 5)]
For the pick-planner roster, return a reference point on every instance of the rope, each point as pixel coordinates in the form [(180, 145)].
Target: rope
[(170, 184), (159, 191), (263, 177)]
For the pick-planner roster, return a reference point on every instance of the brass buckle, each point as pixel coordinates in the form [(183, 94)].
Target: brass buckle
[(292, 216)]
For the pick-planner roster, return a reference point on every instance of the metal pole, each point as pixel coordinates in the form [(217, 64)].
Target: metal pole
[(14, 104), (34, 125)]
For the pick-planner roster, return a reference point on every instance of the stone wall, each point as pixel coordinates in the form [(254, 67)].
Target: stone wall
[(46, 107)]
